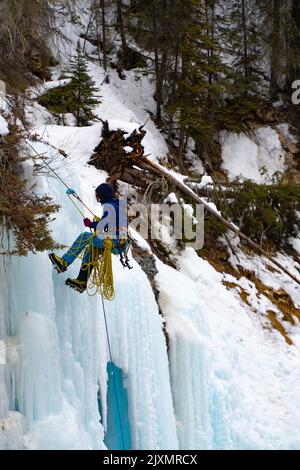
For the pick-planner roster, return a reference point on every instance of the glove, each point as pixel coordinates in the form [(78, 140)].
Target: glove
[(96, 219), (87, 222)]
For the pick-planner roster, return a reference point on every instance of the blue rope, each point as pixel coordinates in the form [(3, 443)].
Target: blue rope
[(115, 385)]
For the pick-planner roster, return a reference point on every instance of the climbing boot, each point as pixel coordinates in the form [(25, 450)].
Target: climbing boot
[(80, 284), (60, 264)]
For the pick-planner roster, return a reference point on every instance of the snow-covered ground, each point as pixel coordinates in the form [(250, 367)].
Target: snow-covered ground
[(3, 126), (259, 157), (241, 380), (227, 381)]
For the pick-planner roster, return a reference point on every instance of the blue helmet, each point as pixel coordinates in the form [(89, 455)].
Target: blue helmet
[(105, 192)]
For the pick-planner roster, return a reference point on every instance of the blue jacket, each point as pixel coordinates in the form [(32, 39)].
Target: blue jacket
[(115, 213)]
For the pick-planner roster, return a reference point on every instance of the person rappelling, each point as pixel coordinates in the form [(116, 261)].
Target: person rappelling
[(107, 234)]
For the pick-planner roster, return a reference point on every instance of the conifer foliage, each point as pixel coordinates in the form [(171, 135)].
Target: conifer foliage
[(78, 97), (216, 63), (23, 213), (81, 90)]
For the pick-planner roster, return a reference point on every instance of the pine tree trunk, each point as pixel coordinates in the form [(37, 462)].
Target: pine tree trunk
[(296, 13), (89, 25), (209, 33), (176, 65), (182, 131), (160, 64), (104, 47), (275, 58), (294, 47), (120, 26), (210, 21), (160, 70), (174, 82), (245, 38), (157, 79)]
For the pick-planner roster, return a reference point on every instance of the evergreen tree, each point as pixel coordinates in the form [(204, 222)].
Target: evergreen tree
[(155, 26), (81, 90), (293, 60), (214, 62), (243, 39), (275, 47), (276, 27), (202, 76)]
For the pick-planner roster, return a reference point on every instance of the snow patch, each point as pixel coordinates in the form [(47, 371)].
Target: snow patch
[(3, 126), (171, 199), (296, 244), (205, 181), (242, 379), (285, 130), (258, 157)]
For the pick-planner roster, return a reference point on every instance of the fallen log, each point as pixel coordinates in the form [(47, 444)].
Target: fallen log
[(189, 192)]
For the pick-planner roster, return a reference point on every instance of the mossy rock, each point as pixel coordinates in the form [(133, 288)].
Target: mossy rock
[(57, 100)]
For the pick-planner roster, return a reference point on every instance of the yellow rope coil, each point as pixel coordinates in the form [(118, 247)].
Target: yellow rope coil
[(102, 280)]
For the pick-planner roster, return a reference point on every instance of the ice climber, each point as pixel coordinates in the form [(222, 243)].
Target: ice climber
[(113, 224)]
